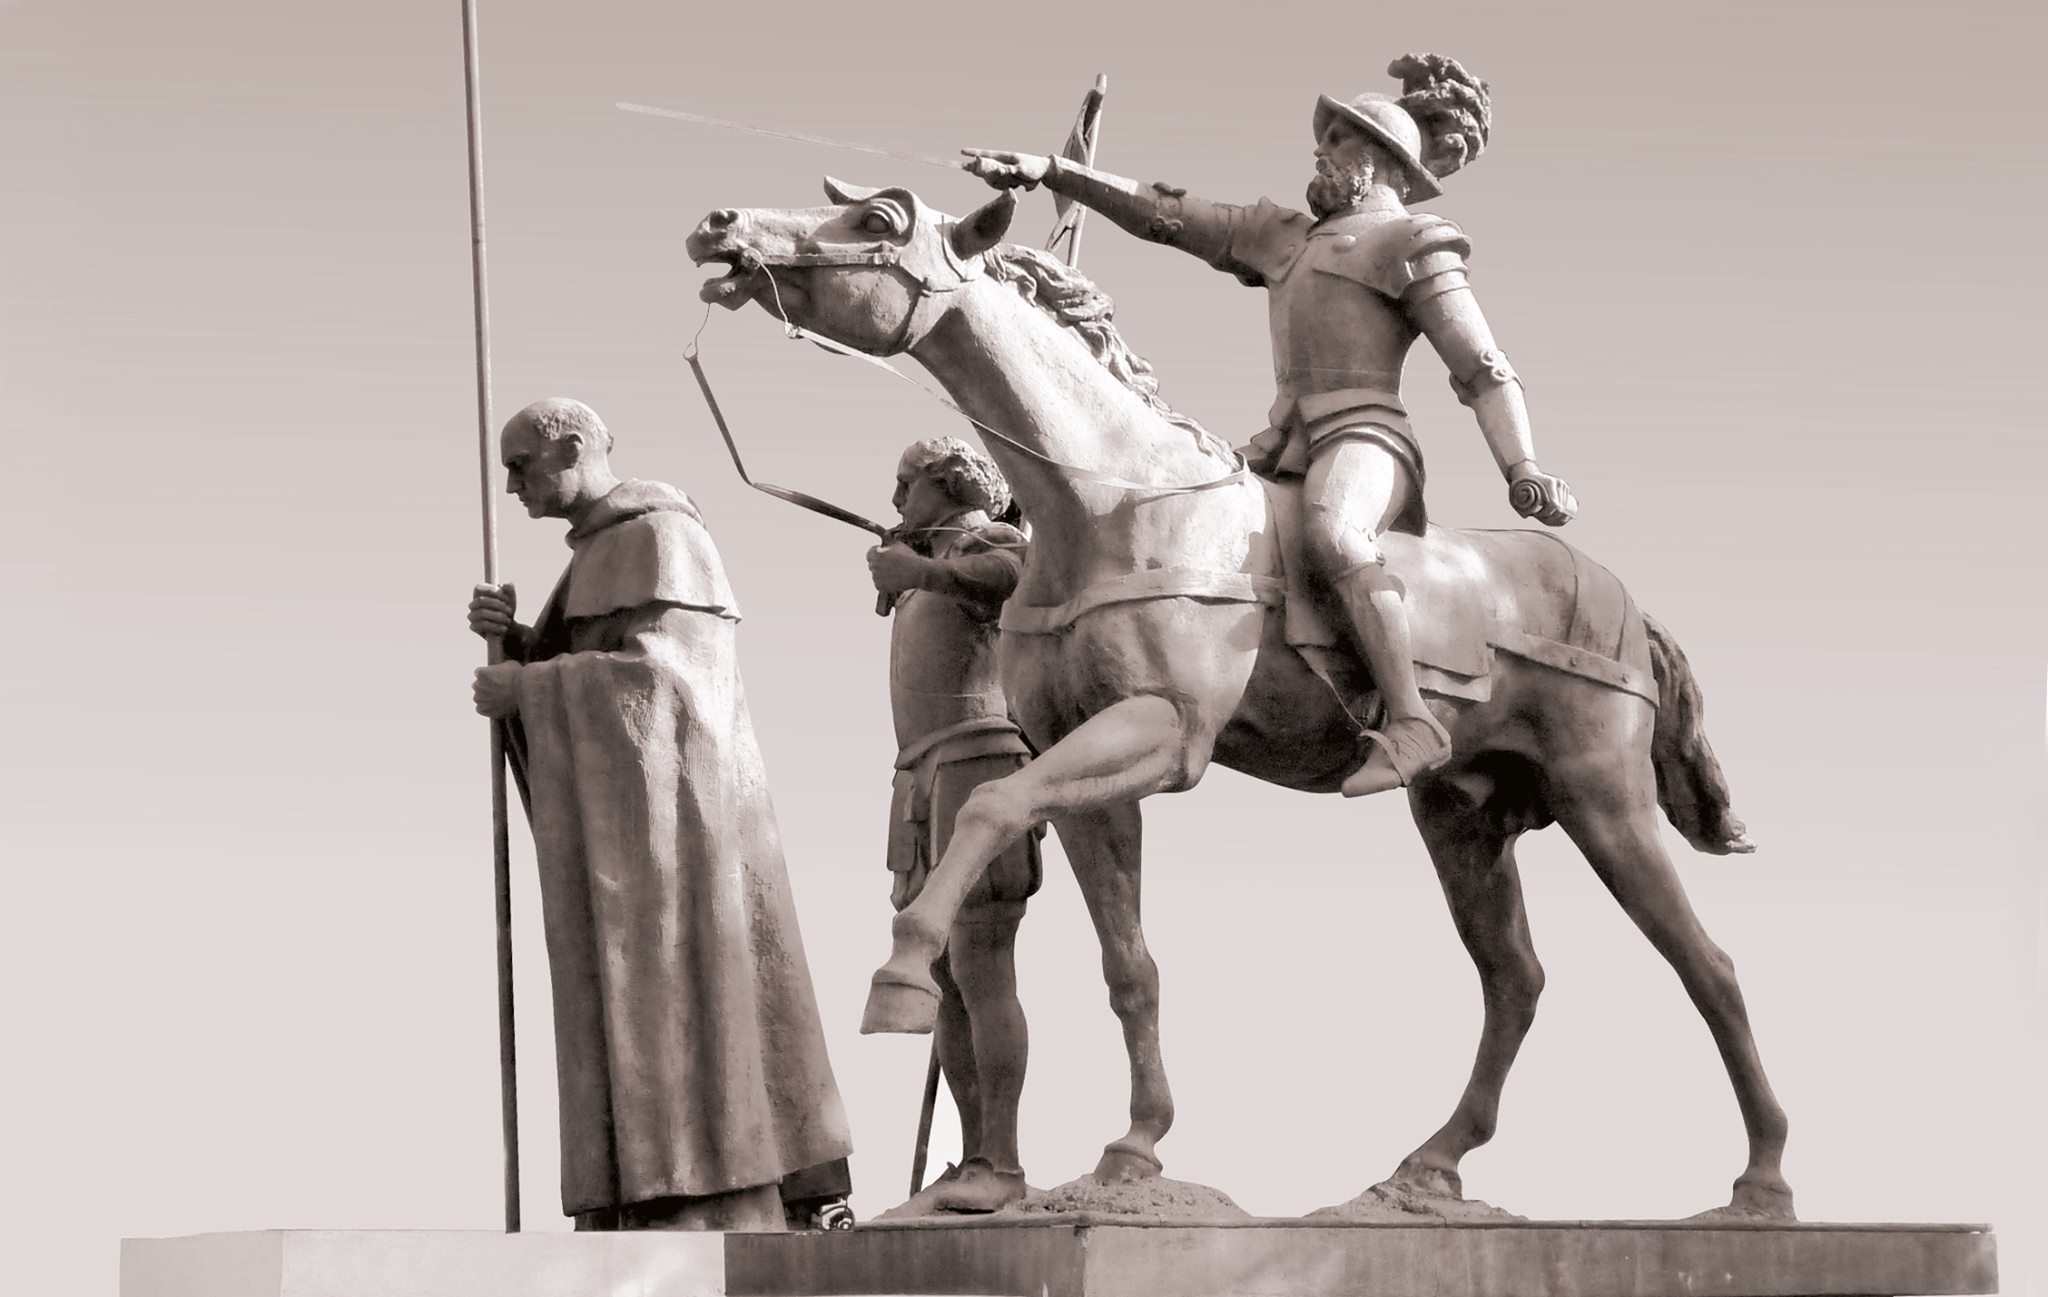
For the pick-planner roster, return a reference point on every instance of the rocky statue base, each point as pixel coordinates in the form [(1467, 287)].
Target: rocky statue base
[(1079, 1255)]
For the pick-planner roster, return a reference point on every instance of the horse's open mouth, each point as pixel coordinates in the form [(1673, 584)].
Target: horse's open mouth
[(743, 280)]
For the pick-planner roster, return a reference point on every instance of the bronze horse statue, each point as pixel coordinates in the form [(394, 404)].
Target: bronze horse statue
[(1148, 639)]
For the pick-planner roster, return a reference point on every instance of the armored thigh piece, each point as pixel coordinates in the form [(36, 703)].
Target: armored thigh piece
[(1344, 515), (1398, 442)]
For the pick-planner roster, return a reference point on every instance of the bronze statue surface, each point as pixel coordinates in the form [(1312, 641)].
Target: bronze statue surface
[(1148, 639)]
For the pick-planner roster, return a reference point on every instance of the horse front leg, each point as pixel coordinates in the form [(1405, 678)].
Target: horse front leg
[(1104, 847), (1127, 751)]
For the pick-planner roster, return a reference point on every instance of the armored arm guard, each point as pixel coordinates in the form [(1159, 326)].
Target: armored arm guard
[(1440, 301), (1159, 212)]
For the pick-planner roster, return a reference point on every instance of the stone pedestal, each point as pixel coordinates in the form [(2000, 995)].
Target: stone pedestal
[(423, 1263), (1085, 1256), (1102, 1257)]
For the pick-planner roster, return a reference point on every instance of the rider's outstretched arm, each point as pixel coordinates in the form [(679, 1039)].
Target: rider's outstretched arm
[(1160, 213)]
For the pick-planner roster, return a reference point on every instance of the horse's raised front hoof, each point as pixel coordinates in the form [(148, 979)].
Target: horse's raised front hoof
[(1757, 1197), (1123, 1161), (900, 1005)]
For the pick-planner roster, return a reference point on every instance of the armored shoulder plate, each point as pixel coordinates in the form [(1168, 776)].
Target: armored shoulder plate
[(1268, 238), (1389, 256)]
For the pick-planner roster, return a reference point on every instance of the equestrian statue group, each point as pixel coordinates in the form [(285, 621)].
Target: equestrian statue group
[(1094, 610)]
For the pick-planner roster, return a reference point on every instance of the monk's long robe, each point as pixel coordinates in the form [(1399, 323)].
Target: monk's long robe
[(688, 1045)]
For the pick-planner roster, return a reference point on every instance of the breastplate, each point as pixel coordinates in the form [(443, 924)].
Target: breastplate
[(1332, 331), (942, 666)]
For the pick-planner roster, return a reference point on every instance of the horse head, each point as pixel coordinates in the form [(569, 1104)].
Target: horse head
[(873, 270)]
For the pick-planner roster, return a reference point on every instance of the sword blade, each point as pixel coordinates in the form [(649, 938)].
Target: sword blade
[(676, 114)]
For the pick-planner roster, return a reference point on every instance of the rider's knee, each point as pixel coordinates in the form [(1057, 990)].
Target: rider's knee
[(1336, 545)]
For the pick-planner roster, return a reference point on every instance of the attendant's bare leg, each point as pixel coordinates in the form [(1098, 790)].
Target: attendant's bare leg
[(982, 954), (953, 1038), (1354, 491), (982, 1038)]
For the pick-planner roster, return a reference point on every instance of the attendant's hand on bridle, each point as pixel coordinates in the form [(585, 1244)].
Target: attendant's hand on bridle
[(1004, 170), (1536, 494), (896, 567)]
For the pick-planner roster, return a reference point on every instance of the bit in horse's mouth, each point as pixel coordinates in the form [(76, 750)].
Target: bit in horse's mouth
[(738, 285)]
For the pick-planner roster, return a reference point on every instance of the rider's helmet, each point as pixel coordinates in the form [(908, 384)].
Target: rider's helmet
[(1390, 126)]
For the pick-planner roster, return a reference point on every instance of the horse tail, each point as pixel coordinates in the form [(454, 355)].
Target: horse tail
[(1690, 786)]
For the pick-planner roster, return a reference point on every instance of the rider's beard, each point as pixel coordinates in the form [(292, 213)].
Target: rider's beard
[(1333, 190)]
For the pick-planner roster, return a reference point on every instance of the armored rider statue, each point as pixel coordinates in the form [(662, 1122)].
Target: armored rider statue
[(1351, 284)]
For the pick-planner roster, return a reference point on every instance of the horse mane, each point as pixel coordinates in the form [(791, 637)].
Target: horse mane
[(1074, 302)]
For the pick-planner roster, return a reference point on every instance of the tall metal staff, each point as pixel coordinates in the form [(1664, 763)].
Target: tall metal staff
[(501, 838)]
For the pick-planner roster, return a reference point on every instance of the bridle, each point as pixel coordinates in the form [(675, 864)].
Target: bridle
[(917, 322), (923, 312)]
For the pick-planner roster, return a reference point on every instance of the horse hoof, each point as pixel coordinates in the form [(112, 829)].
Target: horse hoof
[(1427, 1180), (1756, 1198), (1122, 1161), (900, 1007)]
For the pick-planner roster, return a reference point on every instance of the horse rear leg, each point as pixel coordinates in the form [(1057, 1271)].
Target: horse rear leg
[(1474, 856), (1610, 810), (1132, 749)]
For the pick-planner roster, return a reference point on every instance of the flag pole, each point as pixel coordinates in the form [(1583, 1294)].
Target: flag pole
[(1094, 138), (501, 838)]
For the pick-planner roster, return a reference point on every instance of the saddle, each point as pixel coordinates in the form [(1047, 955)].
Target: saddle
[(1472, 595)]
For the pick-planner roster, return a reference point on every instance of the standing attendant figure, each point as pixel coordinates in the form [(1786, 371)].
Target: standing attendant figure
[(947, 579)]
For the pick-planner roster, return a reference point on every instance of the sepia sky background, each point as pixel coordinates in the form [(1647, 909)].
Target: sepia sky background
[(1764, 268)]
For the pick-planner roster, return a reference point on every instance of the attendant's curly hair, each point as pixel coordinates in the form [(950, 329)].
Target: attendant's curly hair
[(1451, 106), (969, 477)]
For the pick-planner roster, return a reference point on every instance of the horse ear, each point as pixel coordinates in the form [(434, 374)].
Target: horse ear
[(841, 192), (976, 234)]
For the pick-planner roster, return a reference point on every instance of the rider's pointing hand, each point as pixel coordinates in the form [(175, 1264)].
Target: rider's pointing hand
[(1007, 170)]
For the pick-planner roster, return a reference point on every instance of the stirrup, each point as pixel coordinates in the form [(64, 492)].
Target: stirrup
[(1397, 761)]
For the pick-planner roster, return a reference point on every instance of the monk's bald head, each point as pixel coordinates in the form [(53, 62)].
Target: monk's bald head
[(557, 456), (557, 417)]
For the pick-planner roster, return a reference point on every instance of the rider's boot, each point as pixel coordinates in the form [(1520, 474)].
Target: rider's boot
[(1414, 742)]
